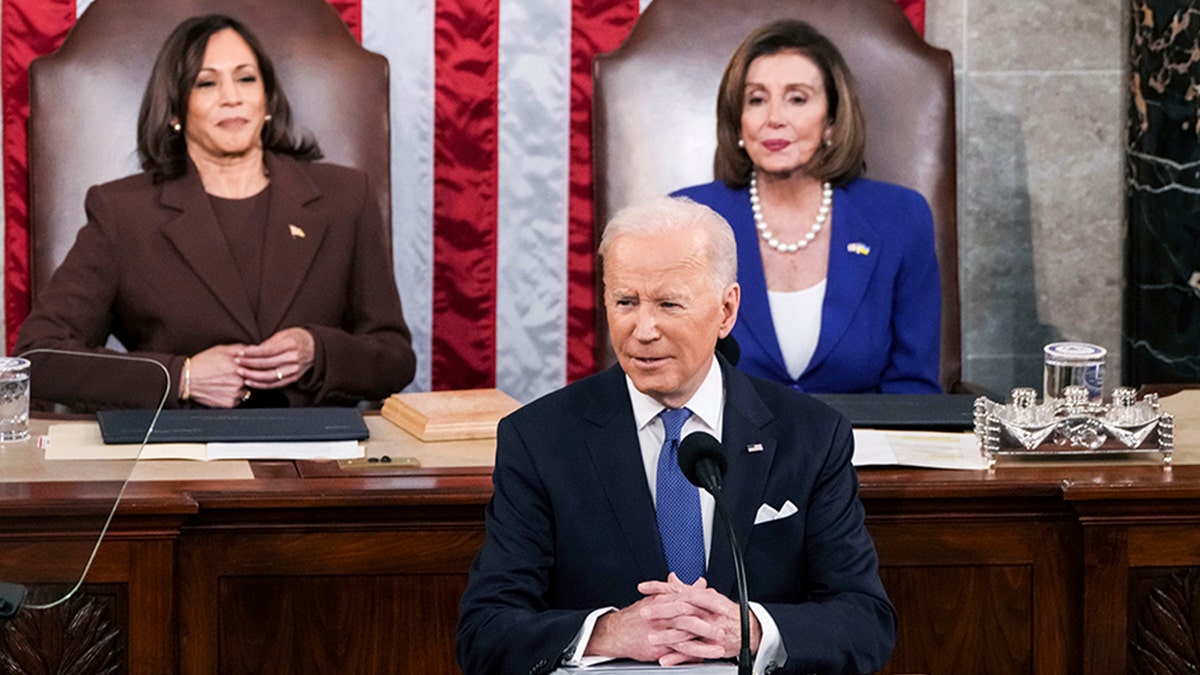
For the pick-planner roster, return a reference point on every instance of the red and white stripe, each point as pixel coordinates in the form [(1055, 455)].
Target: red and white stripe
[(491, 174)]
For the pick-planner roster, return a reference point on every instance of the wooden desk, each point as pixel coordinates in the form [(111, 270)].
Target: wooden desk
[(353, 572), (1025, 570)]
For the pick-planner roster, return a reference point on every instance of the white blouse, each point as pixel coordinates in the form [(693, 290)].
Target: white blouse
[(797, 318)]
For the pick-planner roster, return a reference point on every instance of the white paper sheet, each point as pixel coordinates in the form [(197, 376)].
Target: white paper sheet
[(927, 449), (290, 450), (82, 440)]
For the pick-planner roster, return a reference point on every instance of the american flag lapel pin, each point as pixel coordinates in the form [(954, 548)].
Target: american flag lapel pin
[(754, 447)]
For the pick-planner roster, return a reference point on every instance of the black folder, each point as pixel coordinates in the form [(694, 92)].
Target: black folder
[(201, 425), (923, 412)]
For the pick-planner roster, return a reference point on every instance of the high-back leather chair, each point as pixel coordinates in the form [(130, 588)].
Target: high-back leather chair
[(84, 101), (655, 99)]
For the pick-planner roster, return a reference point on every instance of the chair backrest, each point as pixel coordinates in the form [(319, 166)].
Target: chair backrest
[(84, 101), (655, 98)]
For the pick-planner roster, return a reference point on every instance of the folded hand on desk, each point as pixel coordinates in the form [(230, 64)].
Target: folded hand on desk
[(214, 380), (222, 376), (279, 360), (674, 623)]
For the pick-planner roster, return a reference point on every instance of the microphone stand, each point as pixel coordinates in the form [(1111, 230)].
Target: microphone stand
[(745, 662), (12, 595)]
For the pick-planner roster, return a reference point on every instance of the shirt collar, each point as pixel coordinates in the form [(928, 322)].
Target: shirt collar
[(705, 404)]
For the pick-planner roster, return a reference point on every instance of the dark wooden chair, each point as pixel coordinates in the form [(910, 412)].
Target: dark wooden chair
[(654, 114), (84, 101)]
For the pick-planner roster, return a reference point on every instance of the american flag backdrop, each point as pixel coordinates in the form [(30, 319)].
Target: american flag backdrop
[(491, 174)]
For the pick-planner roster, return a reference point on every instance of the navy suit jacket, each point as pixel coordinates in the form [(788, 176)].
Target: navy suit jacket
[(571, 528), (882, 310)]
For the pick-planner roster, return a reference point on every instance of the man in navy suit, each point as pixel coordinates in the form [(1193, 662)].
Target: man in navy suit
[(573, 568)]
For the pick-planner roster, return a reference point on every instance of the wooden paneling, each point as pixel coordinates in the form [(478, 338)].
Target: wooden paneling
[(1022, 570), (304, 601), (1164, 620), (339, 624), (117, 622), (85, 635), (982, 592), (962, 619)]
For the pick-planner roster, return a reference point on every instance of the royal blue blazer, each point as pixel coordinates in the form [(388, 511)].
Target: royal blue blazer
[(881, 315)]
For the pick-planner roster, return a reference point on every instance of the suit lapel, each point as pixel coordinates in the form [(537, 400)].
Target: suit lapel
[(198, 238), (617, 459), (292, 241), (849, 273), (756, 315), (751, 452)]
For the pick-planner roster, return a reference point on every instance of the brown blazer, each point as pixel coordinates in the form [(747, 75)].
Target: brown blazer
[(152, 268)]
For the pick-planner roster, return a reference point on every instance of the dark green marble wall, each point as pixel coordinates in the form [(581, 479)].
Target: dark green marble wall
[(1162, 304)]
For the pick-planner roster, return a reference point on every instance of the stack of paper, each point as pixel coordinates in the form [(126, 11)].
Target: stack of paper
[(929, 449), (82, 440)]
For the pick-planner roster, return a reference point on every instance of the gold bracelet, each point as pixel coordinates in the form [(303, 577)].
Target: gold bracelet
[(187, 379)]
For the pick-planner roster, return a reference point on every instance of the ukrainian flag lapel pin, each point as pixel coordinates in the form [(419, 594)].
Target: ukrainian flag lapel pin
[(858, 248)]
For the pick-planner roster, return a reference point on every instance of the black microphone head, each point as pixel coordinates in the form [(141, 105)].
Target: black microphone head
[(702, 460)]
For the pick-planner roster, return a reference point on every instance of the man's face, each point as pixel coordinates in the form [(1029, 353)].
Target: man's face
[(664, 312)]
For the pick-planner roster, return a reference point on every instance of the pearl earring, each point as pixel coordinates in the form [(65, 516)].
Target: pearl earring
[(741, 143), (267, 118), (176, 127)]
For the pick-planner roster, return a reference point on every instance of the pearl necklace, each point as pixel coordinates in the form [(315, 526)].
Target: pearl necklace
[(775, 244)]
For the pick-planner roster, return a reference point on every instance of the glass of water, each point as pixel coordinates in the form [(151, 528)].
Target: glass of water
[(1074, 364), (14, 399)]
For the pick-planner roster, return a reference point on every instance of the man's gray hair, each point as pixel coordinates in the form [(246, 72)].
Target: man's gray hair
[(678, 214)]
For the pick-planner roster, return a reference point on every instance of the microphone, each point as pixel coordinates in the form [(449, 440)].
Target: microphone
[(703, 462), (11, 598)]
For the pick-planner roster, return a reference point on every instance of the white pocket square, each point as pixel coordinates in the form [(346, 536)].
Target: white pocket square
[(767, 513)]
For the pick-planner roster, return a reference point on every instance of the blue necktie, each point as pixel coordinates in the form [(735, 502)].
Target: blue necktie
[(679, 522)]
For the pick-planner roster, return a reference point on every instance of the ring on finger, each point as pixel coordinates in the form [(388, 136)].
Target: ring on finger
[(245, 395), (278, 374)]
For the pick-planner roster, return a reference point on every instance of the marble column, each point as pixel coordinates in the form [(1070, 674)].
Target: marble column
[(1162, 303)]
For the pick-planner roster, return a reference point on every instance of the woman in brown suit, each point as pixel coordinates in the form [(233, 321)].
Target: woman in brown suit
[(253, 274)]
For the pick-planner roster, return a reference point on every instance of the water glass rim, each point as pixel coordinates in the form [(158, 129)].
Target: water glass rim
[(13, 363)]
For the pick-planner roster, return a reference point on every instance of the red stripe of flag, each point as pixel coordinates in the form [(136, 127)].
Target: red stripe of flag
[(466, 93), (915, 11), (27, 30), (351, 13), (596, 26)]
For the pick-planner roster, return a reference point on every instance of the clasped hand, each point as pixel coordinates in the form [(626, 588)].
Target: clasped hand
[(223, 375), (674, 623)]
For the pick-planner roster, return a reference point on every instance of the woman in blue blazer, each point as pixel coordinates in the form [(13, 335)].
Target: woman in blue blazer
[(840, 286)]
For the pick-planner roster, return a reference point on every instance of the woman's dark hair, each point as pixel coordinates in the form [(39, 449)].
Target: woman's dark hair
[(162, 150), (839, 162)]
